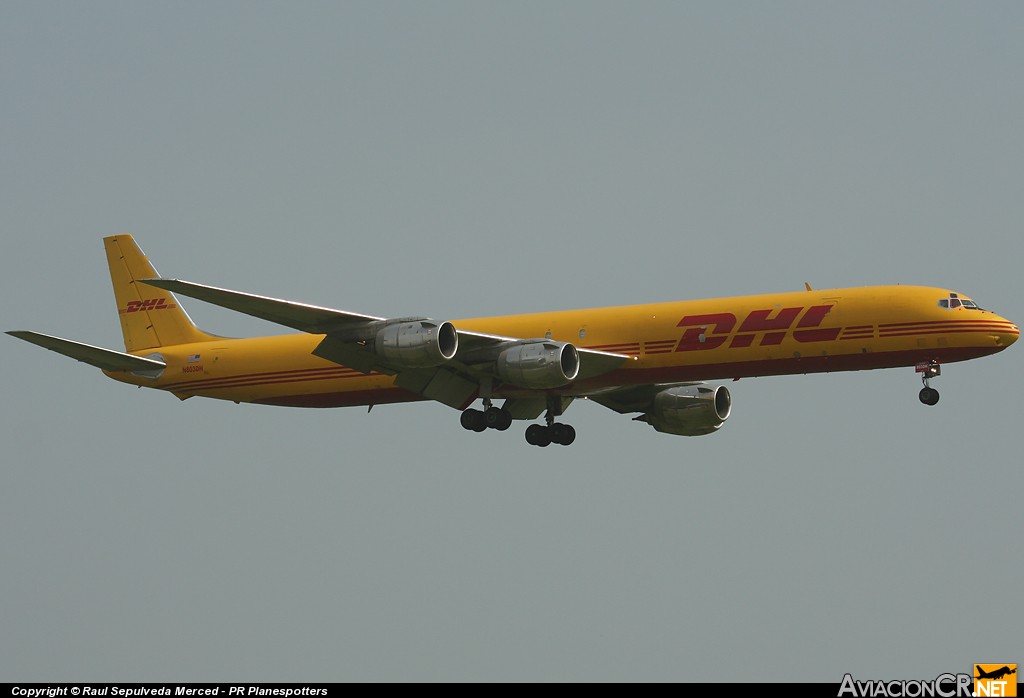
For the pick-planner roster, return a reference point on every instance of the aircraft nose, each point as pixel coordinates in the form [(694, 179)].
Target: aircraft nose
[(1007, 334)]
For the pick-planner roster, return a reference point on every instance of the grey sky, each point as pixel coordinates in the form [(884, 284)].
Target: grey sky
[(467, 159)]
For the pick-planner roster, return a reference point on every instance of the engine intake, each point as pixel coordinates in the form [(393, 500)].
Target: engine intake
[(539, 365), (417, 343), (690, 410)]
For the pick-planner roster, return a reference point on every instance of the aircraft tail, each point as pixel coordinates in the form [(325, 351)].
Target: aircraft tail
[(150, 317)]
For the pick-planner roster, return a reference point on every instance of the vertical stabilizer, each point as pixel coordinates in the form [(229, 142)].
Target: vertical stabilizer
[(150, 317)]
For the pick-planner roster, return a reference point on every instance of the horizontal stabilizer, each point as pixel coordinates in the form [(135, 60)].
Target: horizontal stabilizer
[(299, 316), (106, 359)]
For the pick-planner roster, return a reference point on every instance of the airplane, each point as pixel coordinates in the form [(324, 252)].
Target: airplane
[(652, 359), (997, 674)]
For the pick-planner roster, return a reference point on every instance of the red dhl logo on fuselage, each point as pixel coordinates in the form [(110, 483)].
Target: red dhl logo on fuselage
[(152, 304), (711, 331)]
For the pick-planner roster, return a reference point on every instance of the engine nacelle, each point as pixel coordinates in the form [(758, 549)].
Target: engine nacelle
[(539, 365), (418, 343), (690, 410)]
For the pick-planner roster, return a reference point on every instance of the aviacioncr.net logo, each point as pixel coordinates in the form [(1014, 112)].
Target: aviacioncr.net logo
[(944, 686)]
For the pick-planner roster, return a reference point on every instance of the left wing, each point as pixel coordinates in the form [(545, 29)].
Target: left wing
[(432, 359), (299, 316)]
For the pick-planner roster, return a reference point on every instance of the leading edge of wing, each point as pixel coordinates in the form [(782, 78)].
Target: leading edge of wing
[(299, 316), (106, 359)]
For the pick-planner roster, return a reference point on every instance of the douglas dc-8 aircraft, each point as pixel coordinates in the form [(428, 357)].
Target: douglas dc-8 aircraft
[(648, 359)]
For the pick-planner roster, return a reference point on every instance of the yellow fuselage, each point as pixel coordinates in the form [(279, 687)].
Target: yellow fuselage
[(803, 332)]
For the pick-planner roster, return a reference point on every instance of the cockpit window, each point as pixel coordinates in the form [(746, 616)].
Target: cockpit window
[(955, 301)]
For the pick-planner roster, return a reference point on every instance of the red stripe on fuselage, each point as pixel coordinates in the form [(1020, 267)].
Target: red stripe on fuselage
[(965, 330), (204, 382), (246, 383), (973, 321)]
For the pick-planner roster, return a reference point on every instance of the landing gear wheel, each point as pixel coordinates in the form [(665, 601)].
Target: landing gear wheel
[(506, 420), (562, 434), (473, 420), (536, 435), (497, 418), (929, 396)]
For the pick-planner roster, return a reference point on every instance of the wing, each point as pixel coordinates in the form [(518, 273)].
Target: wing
[(106, 359), (432, 359), (299, 316)]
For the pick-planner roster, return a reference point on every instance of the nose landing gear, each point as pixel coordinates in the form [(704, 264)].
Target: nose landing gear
[(928, 394)]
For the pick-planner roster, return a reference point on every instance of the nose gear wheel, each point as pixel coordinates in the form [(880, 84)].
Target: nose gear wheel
[(929, 395)]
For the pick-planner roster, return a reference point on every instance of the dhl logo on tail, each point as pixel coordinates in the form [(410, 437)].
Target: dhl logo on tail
[(152, 304)]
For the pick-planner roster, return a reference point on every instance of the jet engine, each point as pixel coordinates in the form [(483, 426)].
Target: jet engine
[(416, 343), (539, 365), (689, 410)]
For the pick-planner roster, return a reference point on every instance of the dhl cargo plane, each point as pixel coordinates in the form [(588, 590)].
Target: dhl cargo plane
[(648, 359)]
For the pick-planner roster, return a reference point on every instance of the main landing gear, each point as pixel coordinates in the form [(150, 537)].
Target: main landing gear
[(499, 418), (490, 418), (554, 432), (928, 394)]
